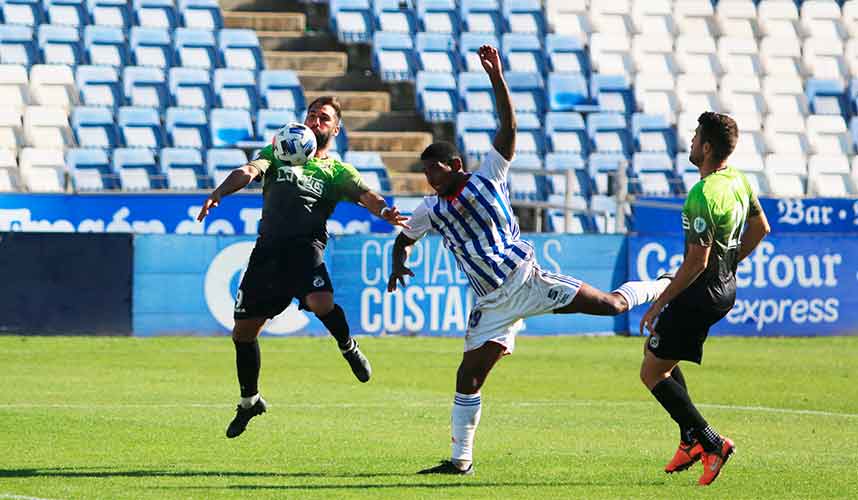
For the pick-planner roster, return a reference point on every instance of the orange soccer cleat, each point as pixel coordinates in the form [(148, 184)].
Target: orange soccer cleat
[(714, 462), (686, 455)]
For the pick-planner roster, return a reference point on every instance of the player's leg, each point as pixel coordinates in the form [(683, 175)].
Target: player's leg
[(591, 300)]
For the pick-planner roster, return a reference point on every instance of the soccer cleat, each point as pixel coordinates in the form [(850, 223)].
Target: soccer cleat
[(686, 455), (243, 416), (358, 362), (448, 467), (714, 462)]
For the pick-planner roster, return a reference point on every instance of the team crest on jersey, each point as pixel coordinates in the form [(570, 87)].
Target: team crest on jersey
[(318, 281), (654, 341), (699, 224)]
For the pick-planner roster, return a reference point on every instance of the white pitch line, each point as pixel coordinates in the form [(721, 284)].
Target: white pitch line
[(758, 409), (20, 497)]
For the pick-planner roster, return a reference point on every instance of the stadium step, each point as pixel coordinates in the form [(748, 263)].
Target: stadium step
[(407, 162), (389, 141), (389, 121), (410, 183), (317, 41), (355, 100), (329, 63), (265, 21)]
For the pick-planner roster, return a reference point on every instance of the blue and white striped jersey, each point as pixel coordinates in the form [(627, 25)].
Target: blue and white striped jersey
[(478, 226)]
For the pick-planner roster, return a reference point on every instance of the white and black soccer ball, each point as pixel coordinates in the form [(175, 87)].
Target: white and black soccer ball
[(294, 144)]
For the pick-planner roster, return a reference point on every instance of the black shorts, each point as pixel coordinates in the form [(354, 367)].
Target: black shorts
[(275, 277), (681, 330)]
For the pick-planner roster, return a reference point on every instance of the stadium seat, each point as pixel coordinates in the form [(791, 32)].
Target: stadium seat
[(609, 133), (105, 46), (17, 45), (787, 174), (653, 133), (281, 89), (829, 176), (612, 18), (522, 52), (822, 19), (827, 134), (698, 54), (737, 18), (778, 18), (611, 54), (604, 210), (785, 95), (66, 12), (187, 128), (10, 179), (528, 160), (11, 130), (137, 169), (603, 168), (786, 134), (612, 93), (566, 91), (47, 127), (183, 169), (269, 121), (526, 91), (524, 16), (43, 170), (191, 88), (60, 45), (195, 48), (849, 17), (200, 14), (751, 139), (656, 95), (781, 56), (686, 124), (437, 97), (469, 43), (566, 133), (393, 16), (436, 52), (151, 47), (239, 48), (474, 134), (566, 54), (578, 181), (140, 127), (230, 127), (438, 16), (90, 170), (698, 93), (14, 86), (695, 18), (654, 54), (22, 12), (826, 97), (110, 13), (235, 88), (688, 174), (742, 94), (579, 223), (654, 18), (145, 86), (529, 137), (824, 58), (481, 16), (364, 160), (220, 162), (351, 20), (753, 166), (740, 56), (651, 174), (155, 14), (475, 92), (569, 18), (526, 186), (94, 128), (393, 56)]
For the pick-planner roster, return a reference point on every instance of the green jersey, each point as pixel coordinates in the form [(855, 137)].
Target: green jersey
[(713, 216), (297, 201)]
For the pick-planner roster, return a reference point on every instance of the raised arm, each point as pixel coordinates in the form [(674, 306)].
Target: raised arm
[(237, 179), (504, 141)]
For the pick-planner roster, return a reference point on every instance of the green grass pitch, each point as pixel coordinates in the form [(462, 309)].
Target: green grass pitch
[(564, 417)]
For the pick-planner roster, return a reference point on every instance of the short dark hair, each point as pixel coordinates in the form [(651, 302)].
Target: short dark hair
[(327, 100), (440, 151), (720, 131)]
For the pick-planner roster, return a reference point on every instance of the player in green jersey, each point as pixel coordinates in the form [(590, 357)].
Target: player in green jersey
[(287, 261), (723, 223)]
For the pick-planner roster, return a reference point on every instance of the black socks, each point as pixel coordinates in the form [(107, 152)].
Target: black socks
[(674, 398), (684, 434), (247, 363), (335, 322)]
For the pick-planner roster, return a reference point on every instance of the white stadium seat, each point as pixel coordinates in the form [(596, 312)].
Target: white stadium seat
[(695, 18), (737, 18), (785, 95), (43, 170), (786, 134), (10, 180), (611, 54), (781, 56), (828, 134), (778, 18), (850, 17), (740, 56), (698, 92), (656, 94), (47, 128), (787, 174), (698, 54), (742, 94), (612, 18), (829, 176), (53, 85), (14, 86), (11, 129), (653, 17), (653, 53), (822, 19), (824, 59), (569, 17)]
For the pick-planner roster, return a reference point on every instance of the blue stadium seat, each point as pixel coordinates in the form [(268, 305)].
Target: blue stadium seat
[(17, 45), (200, 14), (137, 169), (481, 16), (184, 170), (475, 92), (90, 170), (526, 91), (236, 88), (580, 222), (523, 52), (437, 98), (526, 186), (60, 45), (98, 86), (393, 56), (604, 211), (281, 89), (140, 127), (155, 14), (469, 43), (526, 160), (436, 52), (609, 133), (342, 140), (220, 162), (613, 93), (653, 133), (566, 54), (105, 46), (230, 127), (826, 97), (22, 12), (269, 121), (351, 20), (145, 86), (187, 128), (195, 49), (529, 135), (438, 16), (581, 184), (94, 128), (394, 16), (566, 91), (239, 48), (853, 96), (151, 47), (110, 13), (474, 134), (191, 88), (66, 12), (566, 133), (524, 16), (365, 160), (651, 174), (602, 168)]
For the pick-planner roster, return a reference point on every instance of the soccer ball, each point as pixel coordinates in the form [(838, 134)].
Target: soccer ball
[(294, 144)]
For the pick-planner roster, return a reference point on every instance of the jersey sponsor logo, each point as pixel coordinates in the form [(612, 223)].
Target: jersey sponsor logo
[(699, 224), (318, 281), (654, 340), (558, 295), (685, 223), (295, 175)]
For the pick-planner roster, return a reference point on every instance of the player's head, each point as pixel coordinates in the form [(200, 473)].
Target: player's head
[(323, 118), (442, 164), (714, 139)]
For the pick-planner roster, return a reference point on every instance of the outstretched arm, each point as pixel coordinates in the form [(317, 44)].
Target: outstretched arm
[(237, 179), (504, 141), (401, 249), (377, 206)]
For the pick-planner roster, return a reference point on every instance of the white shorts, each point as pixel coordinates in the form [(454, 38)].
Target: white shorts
[(501, 318)]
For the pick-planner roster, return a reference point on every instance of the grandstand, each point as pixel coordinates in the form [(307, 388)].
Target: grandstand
[(108, 95)]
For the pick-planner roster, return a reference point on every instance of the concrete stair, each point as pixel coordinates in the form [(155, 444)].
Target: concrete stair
[(356, 101), (409, 184), (267, 21), (327, 63)]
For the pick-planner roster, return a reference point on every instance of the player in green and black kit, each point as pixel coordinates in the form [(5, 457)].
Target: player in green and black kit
[(288, 259), (718, 208)]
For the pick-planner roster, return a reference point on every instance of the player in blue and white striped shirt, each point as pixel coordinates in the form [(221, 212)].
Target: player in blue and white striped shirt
[(473, 213)]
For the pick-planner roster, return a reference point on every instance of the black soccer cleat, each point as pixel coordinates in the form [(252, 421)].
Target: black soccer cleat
[(448, 467), (243, 416), (358, 362)]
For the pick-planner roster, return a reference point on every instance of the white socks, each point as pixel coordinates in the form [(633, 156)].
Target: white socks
[(464, 420), (642, 292), (248, 402)]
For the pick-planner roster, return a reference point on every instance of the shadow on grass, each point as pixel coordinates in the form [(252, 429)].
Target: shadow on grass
[(102, 472), (401, 485)]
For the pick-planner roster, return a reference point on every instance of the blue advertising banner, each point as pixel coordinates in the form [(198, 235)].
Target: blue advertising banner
[(791, 285), (156, 213), (799, 215), (187, 285)]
